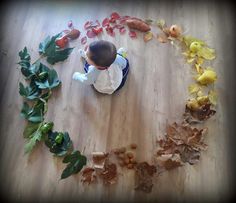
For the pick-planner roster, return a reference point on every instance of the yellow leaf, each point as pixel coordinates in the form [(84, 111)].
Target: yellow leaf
[(207, 53), (188, 40), (190, 60), (192, 104), (147, 36), (202, 100), (200, 60), (213, 97), (199, 69), (194, 88), (207, 77)]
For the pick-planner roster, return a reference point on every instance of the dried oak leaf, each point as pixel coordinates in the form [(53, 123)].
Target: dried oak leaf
[(143, 176), (88, 175), (183, 143), (202, 113), (190, 155), (109, 173)]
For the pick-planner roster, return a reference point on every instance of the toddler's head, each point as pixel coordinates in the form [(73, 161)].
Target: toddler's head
[(101, 54)]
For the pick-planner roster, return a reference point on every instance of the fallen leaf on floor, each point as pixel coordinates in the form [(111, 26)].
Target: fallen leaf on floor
[(143, 176), (162, 38), (147, 36)]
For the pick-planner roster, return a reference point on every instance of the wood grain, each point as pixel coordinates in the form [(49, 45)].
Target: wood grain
[(153, 95)]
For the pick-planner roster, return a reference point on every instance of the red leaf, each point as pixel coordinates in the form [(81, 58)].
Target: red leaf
[(123, 19), (122, 30), (110, 31), (132, 34), (70, 24), (87, 25), (91, 34), (97, 30), (115, 15), (105, 22), (86, 47), (84, 40), (112, 20), (118, 26), (98, 23)]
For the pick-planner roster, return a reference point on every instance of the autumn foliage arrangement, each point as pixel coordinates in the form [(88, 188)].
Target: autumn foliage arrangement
[(182, 142)]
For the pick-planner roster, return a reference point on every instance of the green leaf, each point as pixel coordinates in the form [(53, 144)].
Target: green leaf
[(33, 114), (51, 82), (59, 149), (30, 129), (49, 49), (37, 136), (29, 92), (75, 161)]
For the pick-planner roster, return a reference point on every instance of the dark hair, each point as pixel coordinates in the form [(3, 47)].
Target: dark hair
[(102, 53)]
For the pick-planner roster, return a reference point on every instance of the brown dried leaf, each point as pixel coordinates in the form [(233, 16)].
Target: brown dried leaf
[(144, 174), (88, 175), (202, 113), (169, 161), (109, 173)]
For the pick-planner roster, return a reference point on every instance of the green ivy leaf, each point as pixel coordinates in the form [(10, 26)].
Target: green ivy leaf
[(33, 114), (25, 62), (37, 136), (29, 92), (51, 82), (30, 129), (49, 49), (59, 148), (75, 161)]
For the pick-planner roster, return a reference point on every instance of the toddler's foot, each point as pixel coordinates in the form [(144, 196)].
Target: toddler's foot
[(122, 51)]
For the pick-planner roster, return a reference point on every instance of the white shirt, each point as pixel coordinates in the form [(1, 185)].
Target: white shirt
[(105, 81)]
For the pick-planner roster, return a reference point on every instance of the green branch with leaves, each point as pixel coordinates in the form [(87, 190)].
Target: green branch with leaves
[(40, 82)]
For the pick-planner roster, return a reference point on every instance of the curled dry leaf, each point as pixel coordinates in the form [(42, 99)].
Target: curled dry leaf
[(162, 38), (143, 176), (147, 36)]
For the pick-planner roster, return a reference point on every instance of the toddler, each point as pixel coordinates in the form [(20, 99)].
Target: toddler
[(106, 68)]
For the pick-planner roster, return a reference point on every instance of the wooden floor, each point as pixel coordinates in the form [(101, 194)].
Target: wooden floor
[(154, 94)]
